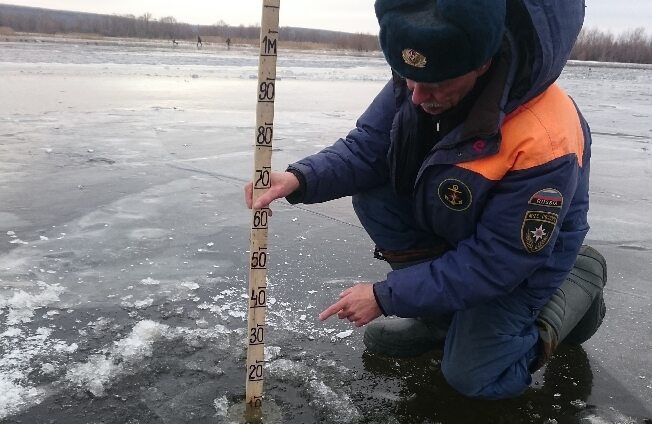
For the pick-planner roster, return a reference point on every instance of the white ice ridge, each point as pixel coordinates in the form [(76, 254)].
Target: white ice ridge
[(22, 305), (99, 372), (336, 407)]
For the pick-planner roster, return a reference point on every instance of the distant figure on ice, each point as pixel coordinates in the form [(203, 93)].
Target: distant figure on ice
[(174, 43), (199, 43), (470, 173), (228, 44)]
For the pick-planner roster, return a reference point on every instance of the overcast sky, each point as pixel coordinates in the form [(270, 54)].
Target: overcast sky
[(340, 15)]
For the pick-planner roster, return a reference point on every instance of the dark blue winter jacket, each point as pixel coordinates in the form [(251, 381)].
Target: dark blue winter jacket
[(507, 188)]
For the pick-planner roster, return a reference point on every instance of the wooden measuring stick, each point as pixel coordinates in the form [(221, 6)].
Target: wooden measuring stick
[(258, 256)]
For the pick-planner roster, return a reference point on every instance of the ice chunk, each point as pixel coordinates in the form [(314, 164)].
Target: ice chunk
[(344, 334), (221, 406), (48, 368), (14, 396), (65, 348), (12, 332), (143, 304), (22, 305), (94, 374), (139, 343), (190, 285), (272, 352)]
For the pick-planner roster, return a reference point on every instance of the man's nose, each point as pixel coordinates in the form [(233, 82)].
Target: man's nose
[(422, 93)]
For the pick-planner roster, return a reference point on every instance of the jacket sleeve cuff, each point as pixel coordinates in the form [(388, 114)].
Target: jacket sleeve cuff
[(298, 195), (383, 294)]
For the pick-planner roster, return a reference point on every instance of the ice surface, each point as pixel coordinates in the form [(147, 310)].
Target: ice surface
[(123, 243), (335, 407)]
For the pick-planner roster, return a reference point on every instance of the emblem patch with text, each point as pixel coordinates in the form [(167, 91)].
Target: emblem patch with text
[(455, 195), (547, 197), (537, 228)]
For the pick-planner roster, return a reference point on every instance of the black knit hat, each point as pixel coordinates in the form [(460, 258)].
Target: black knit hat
[(435, 40)]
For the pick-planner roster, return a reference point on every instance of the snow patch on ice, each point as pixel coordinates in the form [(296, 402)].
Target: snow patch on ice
[(98, 373), (22, 305), (221, 406), (48, 368), (139, 343), (94, 374), (150, 282), (17, 241), (144, 304), (15, 396), (22, 351), (190, 285), (344, 334), (615, 417), (272, 352)]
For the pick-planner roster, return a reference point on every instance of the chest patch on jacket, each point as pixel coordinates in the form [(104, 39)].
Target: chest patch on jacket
[(455, 195), (537, 228), (548, 197)]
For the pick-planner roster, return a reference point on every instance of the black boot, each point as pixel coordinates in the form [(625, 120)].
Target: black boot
[(406, 337), (576, 309)]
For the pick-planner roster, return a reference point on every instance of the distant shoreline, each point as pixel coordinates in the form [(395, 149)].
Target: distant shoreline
[(209, 43), (212, 45), (594, 64)]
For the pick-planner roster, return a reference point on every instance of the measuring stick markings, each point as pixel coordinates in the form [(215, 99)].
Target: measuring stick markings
[(258, 257)]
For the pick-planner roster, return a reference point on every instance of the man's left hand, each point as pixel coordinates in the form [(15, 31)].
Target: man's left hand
[(357, 304)]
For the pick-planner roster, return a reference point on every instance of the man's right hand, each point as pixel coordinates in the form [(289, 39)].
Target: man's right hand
[(282, 185)]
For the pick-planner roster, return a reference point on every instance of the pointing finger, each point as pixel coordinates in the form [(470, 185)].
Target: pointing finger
[(331, 310)]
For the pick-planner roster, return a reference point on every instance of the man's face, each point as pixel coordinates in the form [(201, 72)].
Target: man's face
[(436, 98)]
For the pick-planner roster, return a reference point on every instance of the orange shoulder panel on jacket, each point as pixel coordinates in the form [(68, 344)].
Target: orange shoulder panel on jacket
[(542, 130)]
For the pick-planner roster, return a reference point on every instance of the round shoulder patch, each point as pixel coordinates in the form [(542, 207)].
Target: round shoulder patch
[(454, 194)]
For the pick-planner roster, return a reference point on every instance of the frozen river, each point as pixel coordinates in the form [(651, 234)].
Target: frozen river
[(124, 238)]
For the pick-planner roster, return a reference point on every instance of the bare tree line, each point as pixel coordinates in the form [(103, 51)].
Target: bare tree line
[(45, 21), (633, 46)]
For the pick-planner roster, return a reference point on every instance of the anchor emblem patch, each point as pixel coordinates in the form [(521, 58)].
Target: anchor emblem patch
[(455, 195)]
